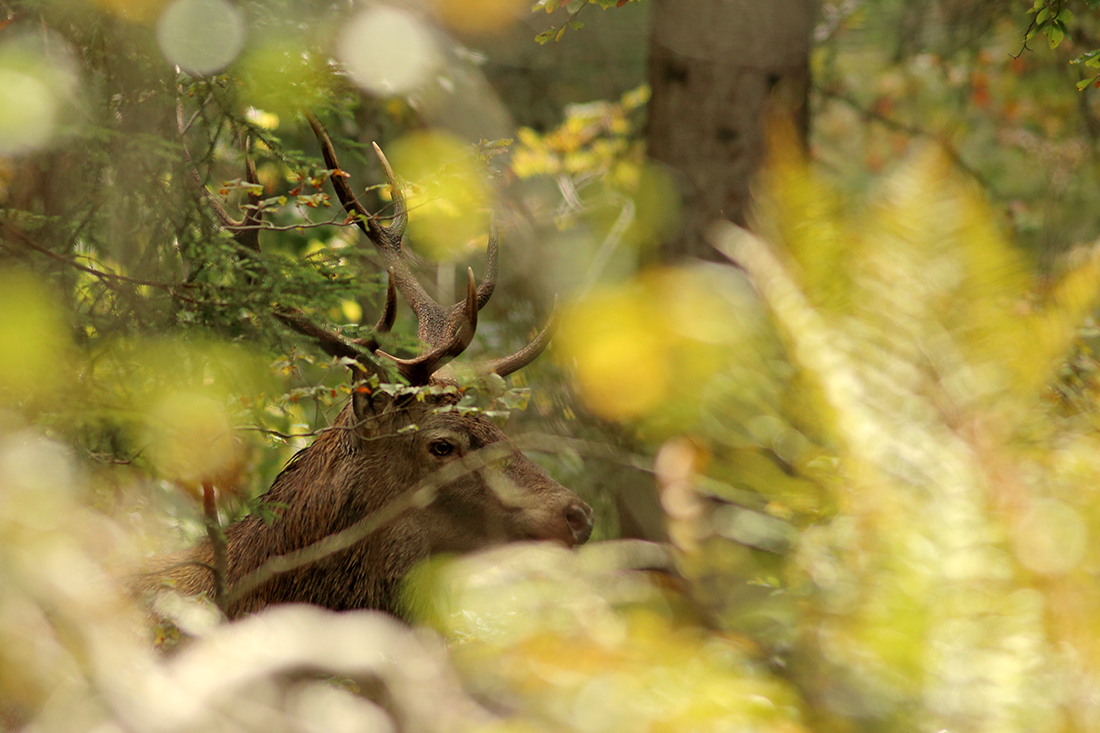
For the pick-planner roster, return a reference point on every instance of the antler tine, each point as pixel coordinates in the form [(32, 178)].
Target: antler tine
[(389, 313), (506, 365), (435, 324), (472, 306), (433, 319), (334, 344), (454, 316), (363, 218), (330, 342), (247, 232), (385, 321), (397, 194), (419, 370), (489, 280)]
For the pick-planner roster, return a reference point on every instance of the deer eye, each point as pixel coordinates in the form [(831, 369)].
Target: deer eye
[(441, 448)]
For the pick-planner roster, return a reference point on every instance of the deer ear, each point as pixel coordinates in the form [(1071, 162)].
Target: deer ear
[(368, 403), (375, 409), (362, 402), (367, 406)]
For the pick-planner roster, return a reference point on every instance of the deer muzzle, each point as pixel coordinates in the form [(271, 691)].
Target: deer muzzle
[(579, 520)]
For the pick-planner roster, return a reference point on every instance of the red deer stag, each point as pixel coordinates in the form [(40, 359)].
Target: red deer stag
[(372, 457)]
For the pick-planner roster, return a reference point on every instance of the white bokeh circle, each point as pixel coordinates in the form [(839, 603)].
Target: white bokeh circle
[(28, 111), (201, 36), (387, 51)]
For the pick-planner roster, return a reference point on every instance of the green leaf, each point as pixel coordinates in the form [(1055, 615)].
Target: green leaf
[(1088, 58), (1055, 36), (545, 36), (516, 399)]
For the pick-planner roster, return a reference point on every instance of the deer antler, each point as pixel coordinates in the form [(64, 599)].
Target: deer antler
[(506, 365), (447, 330)]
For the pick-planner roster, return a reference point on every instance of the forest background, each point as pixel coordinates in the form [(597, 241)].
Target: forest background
[(870, 444)]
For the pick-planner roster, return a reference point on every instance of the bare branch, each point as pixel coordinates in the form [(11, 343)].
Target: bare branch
[(913, 130)]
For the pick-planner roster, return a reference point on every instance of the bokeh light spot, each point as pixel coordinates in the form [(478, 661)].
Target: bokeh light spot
[(648, 348), (617, 363), (387, 52), (27, 112), (479, 16), (281, 76), (1051, 537), (190, 437), (617, 353), (32, 337), (36, 478), (200, 36), (37, 80), (448, 199)]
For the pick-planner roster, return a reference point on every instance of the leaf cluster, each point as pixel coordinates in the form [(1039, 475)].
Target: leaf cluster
[(574, 8), (1054, 20)]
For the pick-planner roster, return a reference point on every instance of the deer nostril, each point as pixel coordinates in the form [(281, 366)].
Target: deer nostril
[(579, 518)]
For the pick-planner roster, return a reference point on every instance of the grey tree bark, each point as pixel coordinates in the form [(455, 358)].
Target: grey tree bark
[(719, 70)]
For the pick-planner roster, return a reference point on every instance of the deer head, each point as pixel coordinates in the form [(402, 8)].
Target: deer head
[(447, 481)]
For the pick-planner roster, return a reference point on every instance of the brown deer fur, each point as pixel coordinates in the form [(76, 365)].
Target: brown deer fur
[(355, 468)]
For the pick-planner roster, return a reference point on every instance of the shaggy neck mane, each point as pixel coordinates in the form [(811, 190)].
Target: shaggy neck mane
[(313, 496)]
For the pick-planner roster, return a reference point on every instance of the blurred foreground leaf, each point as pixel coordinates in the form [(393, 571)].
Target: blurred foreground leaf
[(587, 641), (929, 595)]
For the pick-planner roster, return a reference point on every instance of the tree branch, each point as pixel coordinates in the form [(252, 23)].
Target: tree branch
[(912, 130)]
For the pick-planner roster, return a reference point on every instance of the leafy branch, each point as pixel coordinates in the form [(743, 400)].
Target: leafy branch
[(1048, 17), (574, 7), (1052, 18)]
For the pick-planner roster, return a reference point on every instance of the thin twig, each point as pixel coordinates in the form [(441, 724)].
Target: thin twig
[(608, 247), (194, 118), (912, 130), (335, 221), (102, 275), (421, 496)]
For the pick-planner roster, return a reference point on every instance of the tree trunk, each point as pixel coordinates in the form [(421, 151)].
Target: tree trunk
[(719, 69)]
